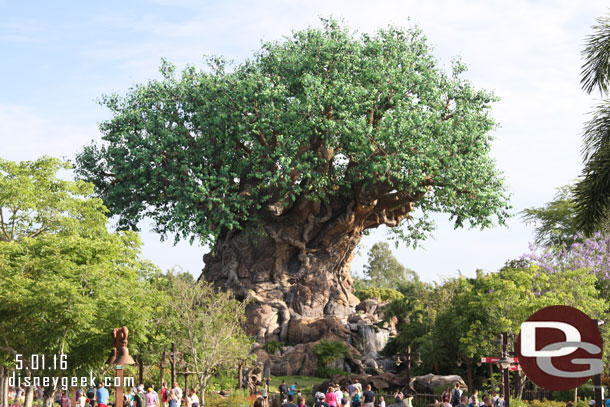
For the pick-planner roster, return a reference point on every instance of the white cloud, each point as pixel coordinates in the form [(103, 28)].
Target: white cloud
[(27, 134)]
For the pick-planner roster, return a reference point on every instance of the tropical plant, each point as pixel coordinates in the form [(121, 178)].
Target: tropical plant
[(592, 195)]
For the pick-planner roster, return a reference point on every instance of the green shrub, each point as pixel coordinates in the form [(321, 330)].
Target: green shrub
[(380, 293), (223, 380), (328, 351), (272, 346), (325, 372)]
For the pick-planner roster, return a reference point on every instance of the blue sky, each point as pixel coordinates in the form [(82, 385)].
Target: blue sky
[(59, 57)]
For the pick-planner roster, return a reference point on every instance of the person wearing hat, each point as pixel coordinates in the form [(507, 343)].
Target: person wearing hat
[(151, 398), (290, 401), (320, 397)]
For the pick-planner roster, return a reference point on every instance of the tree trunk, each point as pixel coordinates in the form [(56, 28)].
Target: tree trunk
[(298, 265), (469, 375), (140, 370), (49, 397), (520, 379), (4, 373), (29, 396), (202, 386)]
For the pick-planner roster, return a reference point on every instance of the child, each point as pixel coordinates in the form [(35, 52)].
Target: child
[(381, 401)]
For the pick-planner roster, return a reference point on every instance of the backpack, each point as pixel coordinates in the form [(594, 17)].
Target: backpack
[(139, 400)]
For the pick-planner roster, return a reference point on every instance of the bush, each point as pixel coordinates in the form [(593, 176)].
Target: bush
[(272, 346), (325, 372), (327, 351), (380, 293), (235, 399), (223, 380)]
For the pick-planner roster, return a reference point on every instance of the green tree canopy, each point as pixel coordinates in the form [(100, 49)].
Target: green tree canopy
[(208, 327), (66, 281), (320, 115), (555, 223), (384, 270)]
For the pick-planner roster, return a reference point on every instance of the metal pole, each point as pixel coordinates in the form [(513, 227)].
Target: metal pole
[(597, 389), (118, 402), (408, 367), (505, 373), (597, 384), (173, 360)]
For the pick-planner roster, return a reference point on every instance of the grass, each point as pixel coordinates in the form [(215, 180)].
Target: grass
[(305, 383)]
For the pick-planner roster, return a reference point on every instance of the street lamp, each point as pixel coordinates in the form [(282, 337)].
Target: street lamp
[(504, 364), (119, 357), (409, 357)]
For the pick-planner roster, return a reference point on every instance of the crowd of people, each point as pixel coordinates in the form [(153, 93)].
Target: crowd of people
[(352, 395), (100, 397), (455, 398)]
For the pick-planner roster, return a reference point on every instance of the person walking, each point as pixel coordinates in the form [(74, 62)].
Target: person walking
[(456, 395), (102, 395), (164, 394), (283, 389), (398, 396), (331, 397), (178, 391), (172, 400), (368, 397), (265, 394), (290, 401), (473, 401), (194, 398)]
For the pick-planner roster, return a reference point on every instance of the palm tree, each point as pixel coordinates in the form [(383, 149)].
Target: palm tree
[(592, 192)]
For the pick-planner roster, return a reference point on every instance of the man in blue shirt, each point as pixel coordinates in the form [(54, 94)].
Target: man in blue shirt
[(102, 396)]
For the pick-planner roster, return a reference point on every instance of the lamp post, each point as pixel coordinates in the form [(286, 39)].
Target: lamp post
[(504, 364), (409, 357), (119, 358)]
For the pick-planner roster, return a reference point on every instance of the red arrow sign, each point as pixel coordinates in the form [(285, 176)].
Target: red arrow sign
[(497, 359)]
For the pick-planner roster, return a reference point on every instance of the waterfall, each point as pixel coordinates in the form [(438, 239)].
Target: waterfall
[(372, 340)]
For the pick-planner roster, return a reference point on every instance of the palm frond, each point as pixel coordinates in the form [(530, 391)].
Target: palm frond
[(592, 193), (595, 71), (597, 130)]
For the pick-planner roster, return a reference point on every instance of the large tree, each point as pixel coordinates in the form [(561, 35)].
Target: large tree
[(65, 280), (282, 162)]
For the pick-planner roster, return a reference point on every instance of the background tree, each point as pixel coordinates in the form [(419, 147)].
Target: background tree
[(463, 317), (209, 326), (282, 162), (555, 223), (592, 194), (384, 270), (66, 281)]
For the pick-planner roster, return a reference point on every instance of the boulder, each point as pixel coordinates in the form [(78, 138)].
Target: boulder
[(307, 330), (368, 306), (262, 321), (428, 383)]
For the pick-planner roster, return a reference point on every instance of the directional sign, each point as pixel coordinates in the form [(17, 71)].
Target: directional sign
[(515, 367), (497, 359)]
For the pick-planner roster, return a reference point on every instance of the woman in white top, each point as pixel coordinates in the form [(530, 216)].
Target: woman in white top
[(194, 399)]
